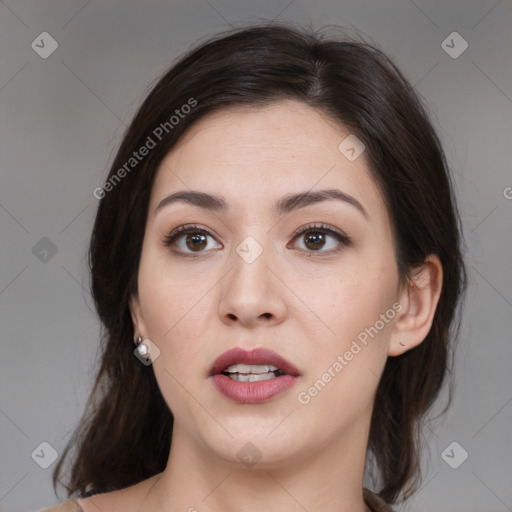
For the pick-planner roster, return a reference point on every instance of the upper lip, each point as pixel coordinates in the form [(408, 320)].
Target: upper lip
[(254, 356)]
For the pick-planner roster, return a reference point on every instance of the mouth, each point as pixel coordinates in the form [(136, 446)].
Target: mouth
[(253, 376), (252, 372)]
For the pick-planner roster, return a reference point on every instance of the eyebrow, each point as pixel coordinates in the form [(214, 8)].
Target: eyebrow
[(283, 206)]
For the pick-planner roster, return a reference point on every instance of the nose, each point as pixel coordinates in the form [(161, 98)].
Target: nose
[(251, 293)]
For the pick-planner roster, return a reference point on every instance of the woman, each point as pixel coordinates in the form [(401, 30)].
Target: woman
[(279, 236)]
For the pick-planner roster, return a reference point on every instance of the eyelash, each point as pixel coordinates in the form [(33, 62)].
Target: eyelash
[(343, 239)]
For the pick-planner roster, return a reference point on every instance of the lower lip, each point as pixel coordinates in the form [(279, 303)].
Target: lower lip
[(253, 392)]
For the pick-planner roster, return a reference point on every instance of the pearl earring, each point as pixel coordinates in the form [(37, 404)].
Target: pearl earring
[(142, 348)]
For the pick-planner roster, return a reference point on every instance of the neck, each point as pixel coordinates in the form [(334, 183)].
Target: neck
[(328, 480)]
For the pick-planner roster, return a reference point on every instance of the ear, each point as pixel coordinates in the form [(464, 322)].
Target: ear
[(419, 300), (139, 327)]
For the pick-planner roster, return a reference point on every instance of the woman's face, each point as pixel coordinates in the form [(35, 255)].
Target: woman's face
[(244, 279)]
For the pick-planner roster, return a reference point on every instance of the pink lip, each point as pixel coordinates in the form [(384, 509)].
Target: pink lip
[(252, 392)]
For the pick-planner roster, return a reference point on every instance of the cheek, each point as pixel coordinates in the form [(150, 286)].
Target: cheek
[(345, 367), (174, 319), (355, 307), (355, 298), (172, 298)]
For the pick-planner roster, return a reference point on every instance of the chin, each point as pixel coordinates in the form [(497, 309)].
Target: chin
[(256, 455), (258, 445)]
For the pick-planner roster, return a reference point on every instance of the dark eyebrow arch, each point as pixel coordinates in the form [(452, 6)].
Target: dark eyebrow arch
[(283, 206)]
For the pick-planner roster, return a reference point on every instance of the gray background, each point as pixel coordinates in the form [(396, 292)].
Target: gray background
[(62, 119)]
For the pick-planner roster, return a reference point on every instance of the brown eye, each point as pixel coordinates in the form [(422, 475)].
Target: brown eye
[(314, 240), (197, 241), (322, 239), (189, 239)]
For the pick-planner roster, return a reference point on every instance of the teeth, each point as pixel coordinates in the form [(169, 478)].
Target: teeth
[(251, 377), (251, 368)]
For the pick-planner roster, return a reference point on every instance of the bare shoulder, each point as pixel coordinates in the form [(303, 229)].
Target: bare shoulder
[(128, 499)]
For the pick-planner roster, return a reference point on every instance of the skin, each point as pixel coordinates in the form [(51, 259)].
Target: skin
[(306, 305)]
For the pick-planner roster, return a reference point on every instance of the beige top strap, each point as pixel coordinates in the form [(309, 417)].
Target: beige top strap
[(67, 506)]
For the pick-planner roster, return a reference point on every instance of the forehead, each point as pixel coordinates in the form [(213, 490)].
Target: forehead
[(255, 155)]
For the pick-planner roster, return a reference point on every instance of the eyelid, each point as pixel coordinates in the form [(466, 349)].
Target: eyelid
[(337, 233), (342, 238), (169, 239)]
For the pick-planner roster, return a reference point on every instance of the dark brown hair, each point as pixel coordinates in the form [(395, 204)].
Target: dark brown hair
[(125, 433)]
